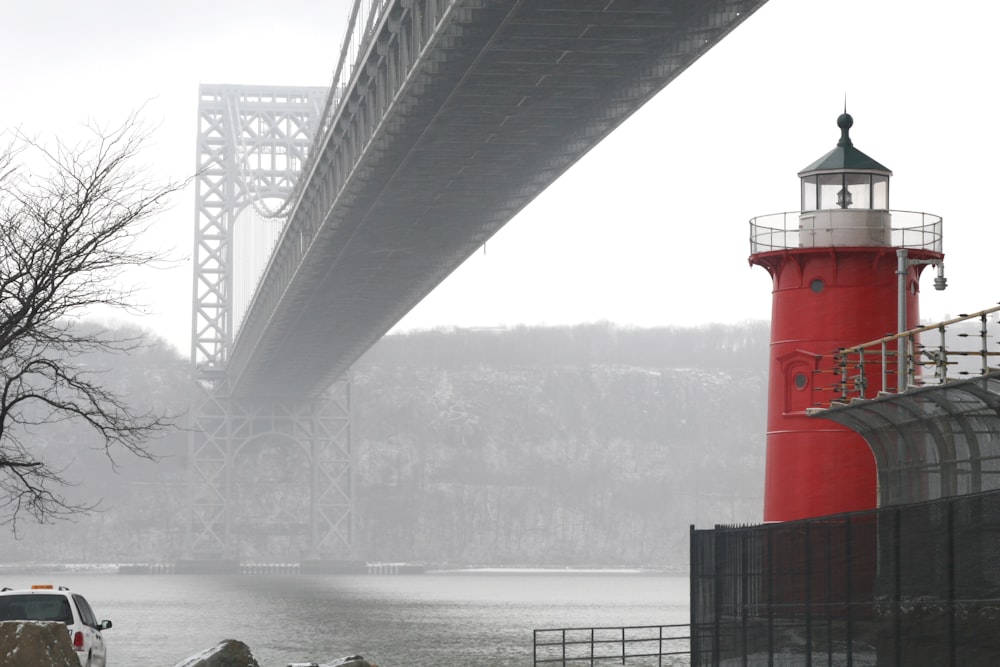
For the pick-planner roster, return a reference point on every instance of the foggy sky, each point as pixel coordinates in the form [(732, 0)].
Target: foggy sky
[(652, 226)]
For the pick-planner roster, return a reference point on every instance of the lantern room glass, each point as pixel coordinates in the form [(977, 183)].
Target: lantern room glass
[(859, 188), (830, 186), (845, 190), (809, 194), (880, 193)]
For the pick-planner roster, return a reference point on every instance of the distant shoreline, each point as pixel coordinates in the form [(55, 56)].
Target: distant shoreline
[(114, 568)]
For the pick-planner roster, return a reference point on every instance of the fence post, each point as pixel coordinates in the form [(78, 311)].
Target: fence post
[(950, 508), (897, 581), (862, 381), (885, 367), (942, 360), (744, 592), (828, 593), (984, 347), (694, 597), (848, 592), (809, 611), (841, 370), (717, 595), (770, 597)]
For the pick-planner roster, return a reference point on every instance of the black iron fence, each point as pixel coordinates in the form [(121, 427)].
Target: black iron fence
[(906, 585), (636, 646)]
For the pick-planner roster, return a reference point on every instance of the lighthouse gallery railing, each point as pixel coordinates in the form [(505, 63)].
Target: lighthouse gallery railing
[(910, 229)]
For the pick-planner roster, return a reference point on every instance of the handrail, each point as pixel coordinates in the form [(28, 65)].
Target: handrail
[(950, 358), (909, 229), (564, 646), (364, 16), (918, 330)]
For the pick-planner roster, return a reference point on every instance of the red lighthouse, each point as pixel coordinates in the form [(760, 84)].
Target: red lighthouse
[(845, 270)]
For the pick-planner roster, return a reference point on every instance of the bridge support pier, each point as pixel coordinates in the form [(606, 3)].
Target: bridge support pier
[(271, 480)]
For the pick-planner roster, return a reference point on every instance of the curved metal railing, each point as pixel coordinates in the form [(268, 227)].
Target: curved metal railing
[(910, 229), (957, 349)]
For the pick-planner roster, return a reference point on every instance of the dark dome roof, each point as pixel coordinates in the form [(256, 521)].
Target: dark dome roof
[(845, 157)]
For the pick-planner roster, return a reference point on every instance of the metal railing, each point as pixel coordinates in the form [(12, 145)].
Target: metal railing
[(660, 645), (365, 16), (955, 349), (910, 229)]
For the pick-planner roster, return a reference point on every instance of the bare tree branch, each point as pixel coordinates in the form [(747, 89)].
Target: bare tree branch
[(68, 232)]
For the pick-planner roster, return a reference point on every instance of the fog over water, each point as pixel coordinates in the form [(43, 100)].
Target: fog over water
[(473, 620)]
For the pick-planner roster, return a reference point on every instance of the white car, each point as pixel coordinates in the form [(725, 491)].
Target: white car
[(48, 603)]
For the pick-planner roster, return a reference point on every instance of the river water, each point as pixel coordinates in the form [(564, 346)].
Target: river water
[(473, 619)]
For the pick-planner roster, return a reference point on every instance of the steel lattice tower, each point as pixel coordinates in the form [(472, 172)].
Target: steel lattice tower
[(252, 144)]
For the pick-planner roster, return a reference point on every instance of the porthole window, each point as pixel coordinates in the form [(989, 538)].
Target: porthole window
[(801, 381), (817, 285)]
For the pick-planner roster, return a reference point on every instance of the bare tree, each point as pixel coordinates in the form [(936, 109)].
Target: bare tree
[(70, 219)]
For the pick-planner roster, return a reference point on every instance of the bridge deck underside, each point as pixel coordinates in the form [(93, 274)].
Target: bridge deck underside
[(507, 97)]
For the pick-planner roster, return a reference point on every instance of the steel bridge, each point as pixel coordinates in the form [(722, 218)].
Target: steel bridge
[(444, 119)]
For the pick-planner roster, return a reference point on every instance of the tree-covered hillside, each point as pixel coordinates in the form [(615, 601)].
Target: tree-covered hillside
[(590, 445), (587, 445)]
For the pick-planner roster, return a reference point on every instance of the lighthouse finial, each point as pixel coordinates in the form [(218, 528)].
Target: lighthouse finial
[(844, 122)]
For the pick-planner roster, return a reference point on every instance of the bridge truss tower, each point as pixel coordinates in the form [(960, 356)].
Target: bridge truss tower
[(269, 478)]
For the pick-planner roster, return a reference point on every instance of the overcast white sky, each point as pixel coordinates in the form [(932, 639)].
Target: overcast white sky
[(651, 227)]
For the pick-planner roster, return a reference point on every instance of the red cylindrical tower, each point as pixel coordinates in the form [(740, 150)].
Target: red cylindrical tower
[(834, 267)]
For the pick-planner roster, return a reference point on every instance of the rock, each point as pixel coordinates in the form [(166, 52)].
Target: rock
[(36, 644), (229, 653), (353, 661), (349, 661), (234, 653)]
